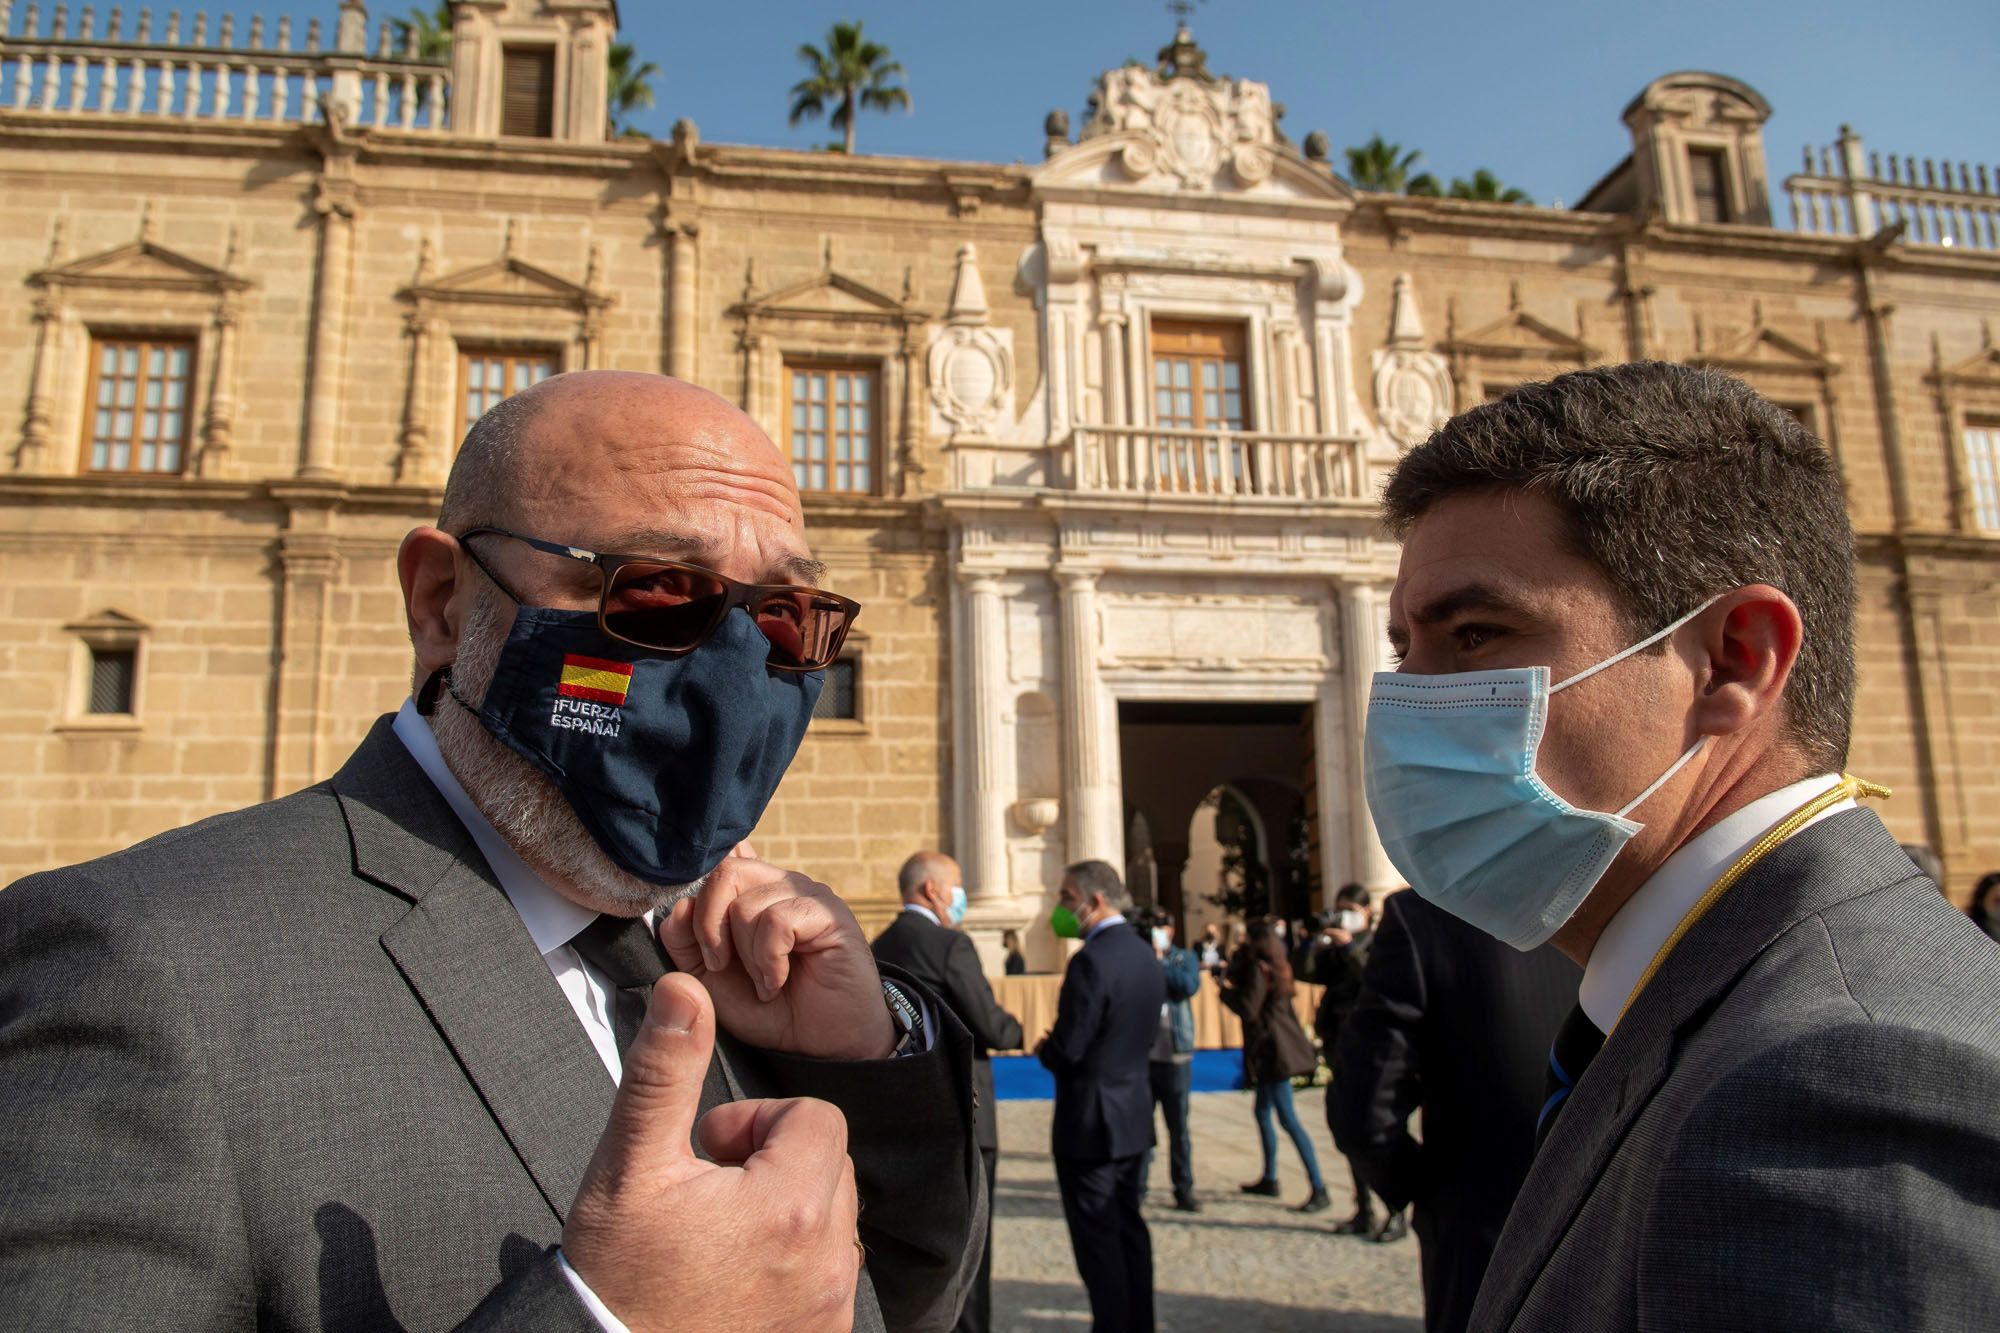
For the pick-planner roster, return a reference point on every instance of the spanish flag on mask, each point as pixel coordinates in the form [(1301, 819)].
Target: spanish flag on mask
[(595, 679)]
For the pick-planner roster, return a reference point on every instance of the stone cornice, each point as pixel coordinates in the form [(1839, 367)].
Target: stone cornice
[(418, 502)]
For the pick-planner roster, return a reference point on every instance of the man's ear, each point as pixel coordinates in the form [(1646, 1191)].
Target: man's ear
[(427, 565), (1749, 641)]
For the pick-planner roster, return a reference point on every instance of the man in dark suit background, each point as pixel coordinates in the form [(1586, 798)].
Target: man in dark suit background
[(398, 1050), (921, 943), (1772, 1105), (1456, 1023), (1106, 1017)]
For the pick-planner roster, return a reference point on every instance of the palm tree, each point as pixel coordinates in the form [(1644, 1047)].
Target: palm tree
[(627, 87), (432, 31), (1486, 187), (1383, 166), (854, 75)]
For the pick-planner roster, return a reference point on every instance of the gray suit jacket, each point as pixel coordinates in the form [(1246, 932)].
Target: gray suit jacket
[(302, 1067), (1796, 1126)]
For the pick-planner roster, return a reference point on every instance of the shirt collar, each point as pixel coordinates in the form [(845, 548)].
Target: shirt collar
[(1633, 937), (1115, 919), (552, 920), (924, 912)]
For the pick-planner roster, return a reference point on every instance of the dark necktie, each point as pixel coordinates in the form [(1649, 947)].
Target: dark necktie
[(627, 952), (1575, 1046)]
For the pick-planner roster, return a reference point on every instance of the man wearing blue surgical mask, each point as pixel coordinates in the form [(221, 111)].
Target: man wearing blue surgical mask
[(924, 941), (505, 1025), (1624, 620)]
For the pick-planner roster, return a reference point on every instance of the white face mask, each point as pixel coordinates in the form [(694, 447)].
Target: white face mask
[(1452, 787), (1350, 920), (1159, 937)]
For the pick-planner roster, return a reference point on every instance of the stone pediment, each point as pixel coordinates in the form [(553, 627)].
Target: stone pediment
[(141, 265), (1520, 334), (1761, 347), (1178, 129), (1982, 367), (830, 295), (507, 281)]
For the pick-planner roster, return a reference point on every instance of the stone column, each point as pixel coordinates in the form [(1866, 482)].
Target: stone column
[(984, 859), (335, 206), (33, 454), (1090, 759), (681, 299), (1114, 369), (1362, 652)]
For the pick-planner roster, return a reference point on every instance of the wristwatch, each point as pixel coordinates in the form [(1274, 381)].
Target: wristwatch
[(908, 1017)]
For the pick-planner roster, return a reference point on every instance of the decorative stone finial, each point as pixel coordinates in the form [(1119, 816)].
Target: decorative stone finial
[(1182, 59), (426, 256), (148, 224), (593, 273), (686, 136), (58, 242), (1316, 146), (1056, 124), (231, 250), (508, 238), (968, 289)]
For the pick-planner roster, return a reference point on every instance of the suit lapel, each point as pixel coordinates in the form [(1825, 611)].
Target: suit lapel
[(470, 961), (1846, 855)]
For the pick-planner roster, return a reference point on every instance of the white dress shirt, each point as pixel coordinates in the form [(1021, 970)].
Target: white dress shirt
[(924, 912), (552, 921), (1632, 937)]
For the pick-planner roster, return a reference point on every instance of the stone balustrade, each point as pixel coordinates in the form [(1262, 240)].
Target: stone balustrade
[(1159, 461), (1844, 192), (195, 73)]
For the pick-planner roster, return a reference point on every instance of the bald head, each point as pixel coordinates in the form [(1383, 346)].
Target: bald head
[(595, 428)]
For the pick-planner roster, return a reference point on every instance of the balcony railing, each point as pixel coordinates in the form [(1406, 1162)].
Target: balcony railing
[(170, 76), (1145, 460), (1844, 192)]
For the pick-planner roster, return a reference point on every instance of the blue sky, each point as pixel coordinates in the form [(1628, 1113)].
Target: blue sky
[(1531, 90)]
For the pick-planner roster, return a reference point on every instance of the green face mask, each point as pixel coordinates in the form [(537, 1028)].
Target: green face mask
[(1064, 923)]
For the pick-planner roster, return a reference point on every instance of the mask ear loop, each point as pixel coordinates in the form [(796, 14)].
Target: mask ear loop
[(1638, 647), (1661, 781)]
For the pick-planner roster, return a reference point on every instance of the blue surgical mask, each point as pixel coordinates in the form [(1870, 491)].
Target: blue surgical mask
[(1462, 814), (667, 761), (957, 909)]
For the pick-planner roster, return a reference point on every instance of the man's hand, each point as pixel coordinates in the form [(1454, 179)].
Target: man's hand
[(761, 1238), (784, 960)]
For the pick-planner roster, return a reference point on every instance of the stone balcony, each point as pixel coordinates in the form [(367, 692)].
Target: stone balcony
[(1151, 460), (201, 75)]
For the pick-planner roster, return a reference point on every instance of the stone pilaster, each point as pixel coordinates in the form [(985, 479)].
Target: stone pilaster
[(218, 426), (681, 298), (334, 202), (33, 453), (1114, 369), (413, 463)]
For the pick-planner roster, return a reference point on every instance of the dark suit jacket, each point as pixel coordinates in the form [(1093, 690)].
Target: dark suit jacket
[(1451, 1020), (1793, 1127), (946, 962), (301, 1066), (1106, 1016)]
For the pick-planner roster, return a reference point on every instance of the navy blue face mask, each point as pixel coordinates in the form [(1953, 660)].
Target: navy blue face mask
[(667, 761)]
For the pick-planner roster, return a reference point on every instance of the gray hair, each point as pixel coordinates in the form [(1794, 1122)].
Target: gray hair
[(920, 869), (1096, 879), (485, 474)]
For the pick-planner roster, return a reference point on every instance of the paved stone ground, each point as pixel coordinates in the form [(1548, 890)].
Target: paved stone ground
[(1243, 1263)]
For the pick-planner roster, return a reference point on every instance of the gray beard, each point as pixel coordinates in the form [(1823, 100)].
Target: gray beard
[(521, 804)]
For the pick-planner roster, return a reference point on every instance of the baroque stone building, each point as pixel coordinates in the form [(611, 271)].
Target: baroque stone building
[(1094, 441)]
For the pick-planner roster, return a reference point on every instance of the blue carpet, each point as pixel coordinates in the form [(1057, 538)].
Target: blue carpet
[(1022, 1078)]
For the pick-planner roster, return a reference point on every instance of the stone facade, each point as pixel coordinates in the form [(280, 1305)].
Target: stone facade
[(1041, 560)]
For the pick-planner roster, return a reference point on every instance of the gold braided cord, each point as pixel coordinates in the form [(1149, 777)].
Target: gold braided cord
[(1848, 788)]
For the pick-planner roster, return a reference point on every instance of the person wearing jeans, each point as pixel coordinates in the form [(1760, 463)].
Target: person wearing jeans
[(1258, 987), (1170, 1065)]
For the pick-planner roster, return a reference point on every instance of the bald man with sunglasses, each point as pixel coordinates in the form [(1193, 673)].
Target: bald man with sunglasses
[(506, 1025)]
